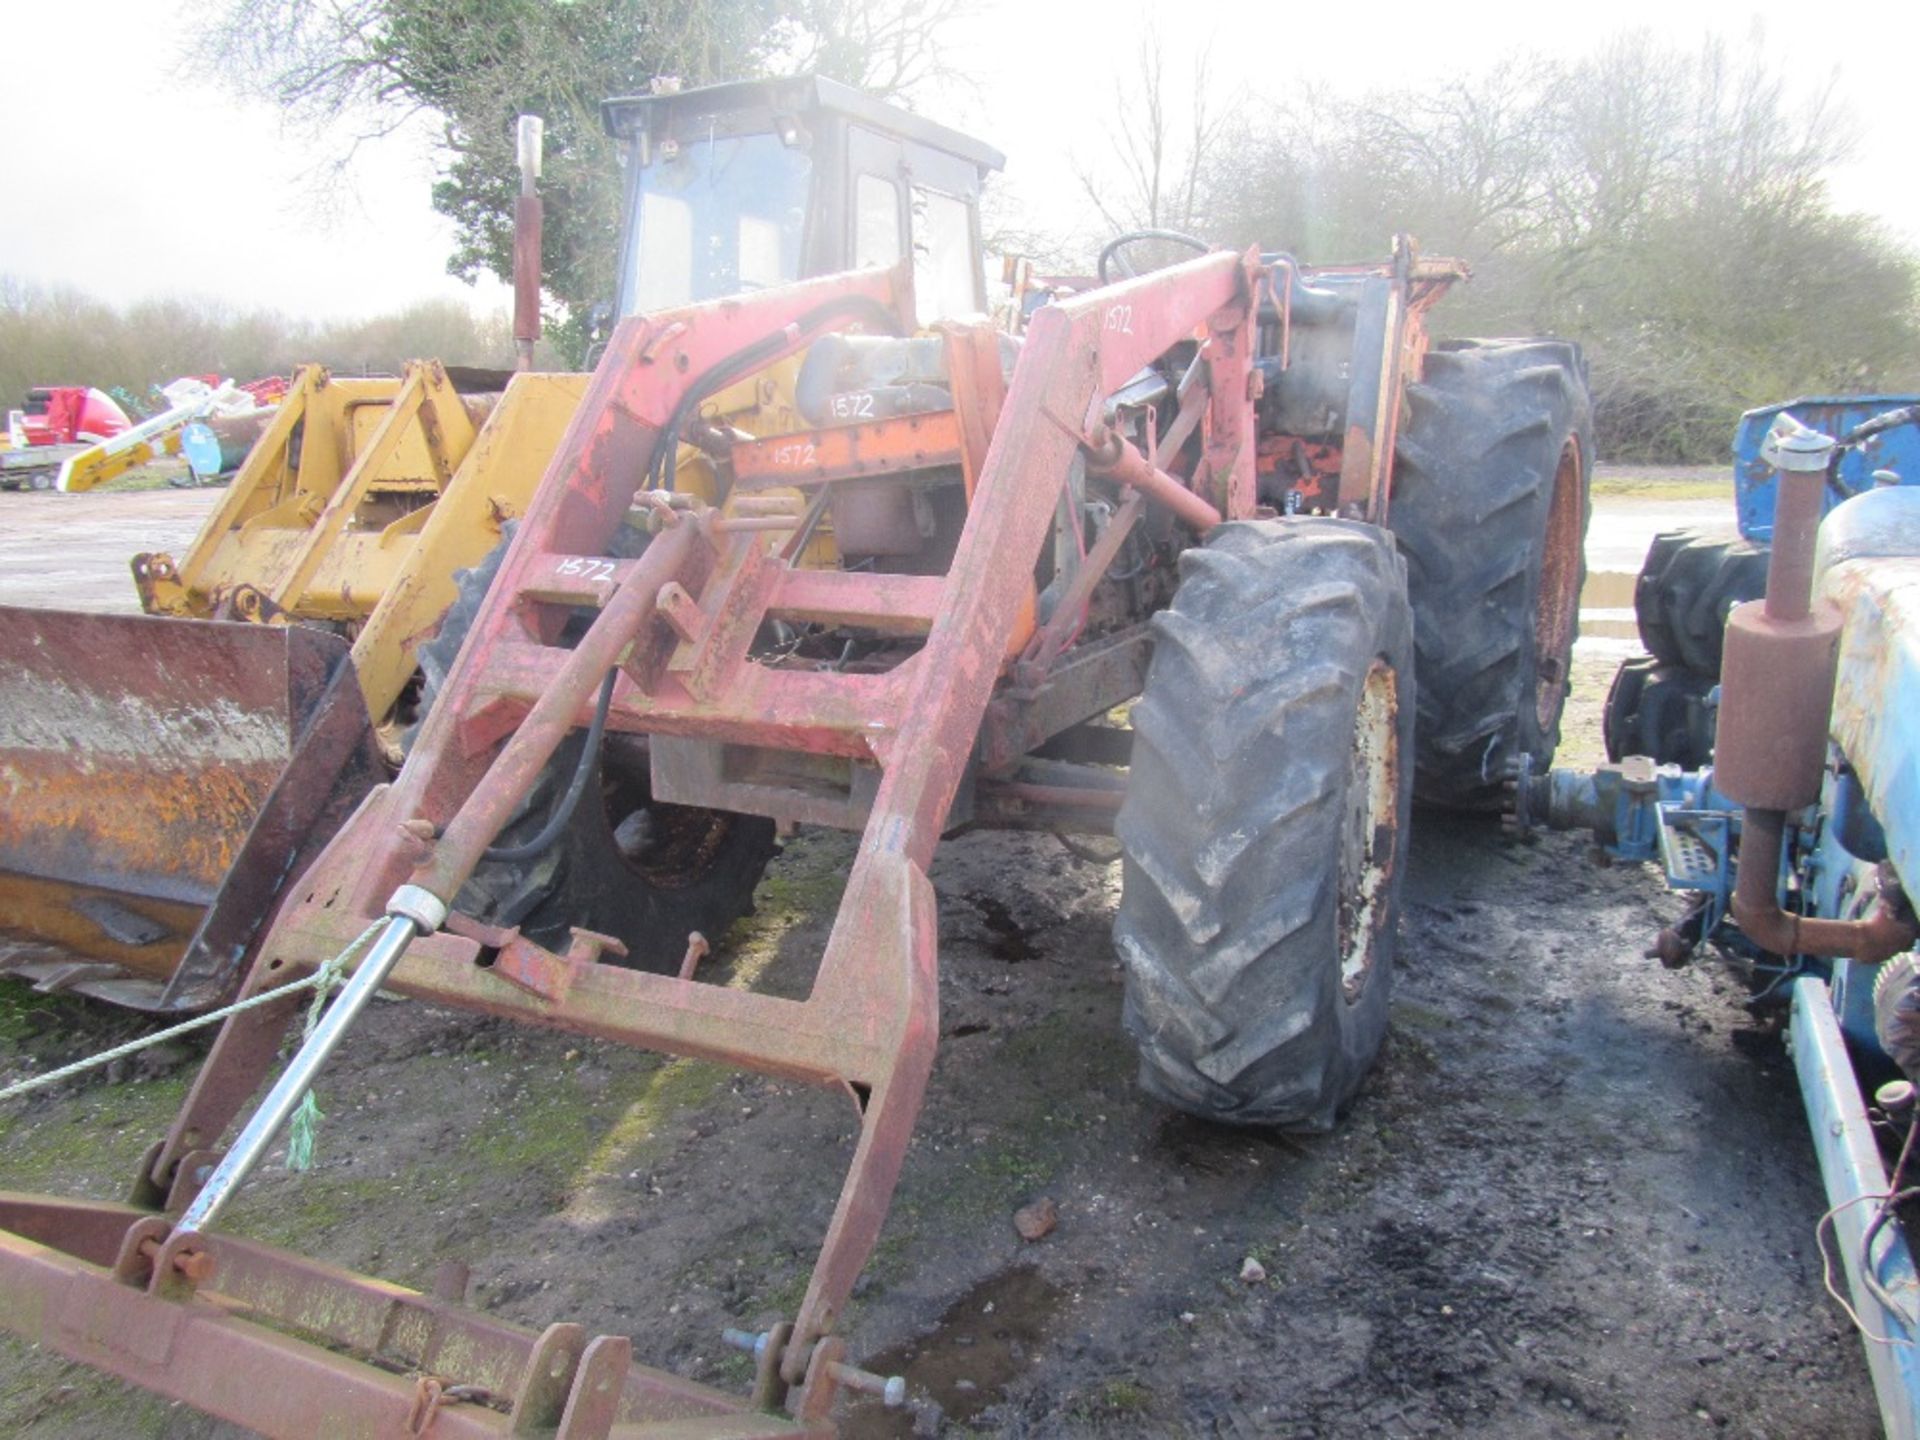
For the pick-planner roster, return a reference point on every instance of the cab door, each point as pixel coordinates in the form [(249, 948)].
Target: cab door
[(877, 199), (943, 224)]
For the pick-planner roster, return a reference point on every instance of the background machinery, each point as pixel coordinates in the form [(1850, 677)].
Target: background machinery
[(56, 423), (1662, 703), (1243, 490)]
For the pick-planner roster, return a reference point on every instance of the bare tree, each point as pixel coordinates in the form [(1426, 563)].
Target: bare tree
[(890, 48), (1667, 206), (1151, 177)]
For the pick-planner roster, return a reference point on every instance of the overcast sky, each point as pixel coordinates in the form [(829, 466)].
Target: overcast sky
[(127, 181)]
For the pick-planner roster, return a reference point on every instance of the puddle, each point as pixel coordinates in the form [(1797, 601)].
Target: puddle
[(964, 1364), (1606, 605), (1009, 940), (1192, 1146)]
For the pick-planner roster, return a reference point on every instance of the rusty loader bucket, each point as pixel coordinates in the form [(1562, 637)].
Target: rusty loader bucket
[(158, 781)]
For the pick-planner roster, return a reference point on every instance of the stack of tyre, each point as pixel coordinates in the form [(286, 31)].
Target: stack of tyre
[(1662, 703)]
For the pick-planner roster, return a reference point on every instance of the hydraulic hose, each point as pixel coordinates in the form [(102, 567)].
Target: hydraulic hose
[(562, 814)]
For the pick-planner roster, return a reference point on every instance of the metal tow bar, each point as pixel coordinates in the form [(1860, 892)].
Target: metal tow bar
[(411, 911)]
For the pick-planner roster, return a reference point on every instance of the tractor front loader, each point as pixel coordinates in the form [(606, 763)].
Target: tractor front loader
[(1194, 487), (360, 501)]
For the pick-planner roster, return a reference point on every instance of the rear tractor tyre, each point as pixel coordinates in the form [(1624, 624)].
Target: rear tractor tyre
[(1265, 822), (1686, 587), (646, 873), (1490, 504)]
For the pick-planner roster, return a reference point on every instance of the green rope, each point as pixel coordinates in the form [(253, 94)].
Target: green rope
[(302, 1131), (309, 1115)]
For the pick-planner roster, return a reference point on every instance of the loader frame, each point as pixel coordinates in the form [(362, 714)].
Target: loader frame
[(358, 504), (206, 1317)]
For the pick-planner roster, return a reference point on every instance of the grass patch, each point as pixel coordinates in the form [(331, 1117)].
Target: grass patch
[(569, 1136), (91, 1140), (157, 476), (629, 1120), (1420, 1017), (296, 1216), (19, 1003), (44, 1395), (1124, 1397), (1641, 487), (804, 882)]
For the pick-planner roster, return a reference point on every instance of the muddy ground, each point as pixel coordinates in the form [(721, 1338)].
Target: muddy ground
[(1575, 1199)]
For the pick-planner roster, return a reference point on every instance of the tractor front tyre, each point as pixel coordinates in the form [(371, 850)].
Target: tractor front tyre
[(647, 873), (1490, 503), (1661, 711), (1265, 824)]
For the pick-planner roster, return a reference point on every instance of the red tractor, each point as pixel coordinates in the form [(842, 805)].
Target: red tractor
[(795, 563)]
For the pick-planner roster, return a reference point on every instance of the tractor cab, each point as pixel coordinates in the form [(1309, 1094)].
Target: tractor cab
[(757, 183)]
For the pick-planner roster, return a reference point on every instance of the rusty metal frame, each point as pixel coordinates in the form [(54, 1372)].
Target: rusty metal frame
[(170, 1308), (348, 1356)]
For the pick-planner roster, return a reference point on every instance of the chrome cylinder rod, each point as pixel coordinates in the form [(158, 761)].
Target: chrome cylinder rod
[(302, 1070)]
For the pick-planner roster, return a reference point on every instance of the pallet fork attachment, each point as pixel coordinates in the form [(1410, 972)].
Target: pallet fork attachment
[(293, 1348)]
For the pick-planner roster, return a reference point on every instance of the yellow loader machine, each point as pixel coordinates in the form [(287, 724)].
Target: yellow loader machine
[(162, 777)]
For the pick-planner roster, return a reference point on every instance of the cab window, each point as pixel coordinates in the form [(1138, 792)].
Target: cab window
[(876, 222), (944, 284), (717, 215)]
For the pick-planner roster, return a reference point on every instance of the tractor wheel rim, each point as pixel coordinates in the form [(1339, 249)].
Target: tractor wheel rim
[(1558, 608), (1368, 829)]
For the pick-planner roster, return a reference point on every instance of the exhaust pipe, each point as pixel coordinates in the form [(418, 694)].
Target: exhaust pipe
[(528, 215)]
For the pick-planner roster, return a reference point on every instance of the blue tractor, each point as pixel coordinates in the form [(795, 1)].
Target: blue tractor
[(1662, 702), (1795, 830)]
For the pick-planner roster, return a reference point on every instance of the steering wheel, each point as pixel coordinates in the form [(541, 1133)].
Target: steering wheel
[(1112, 255)]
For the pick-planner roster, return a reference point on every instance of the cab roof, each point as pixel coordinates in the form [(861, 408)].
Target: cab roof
[(661, 115)]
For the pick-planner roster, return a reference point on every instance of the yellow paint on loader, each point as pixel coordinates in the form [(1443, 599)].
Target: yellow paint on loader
[(359, 503)]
